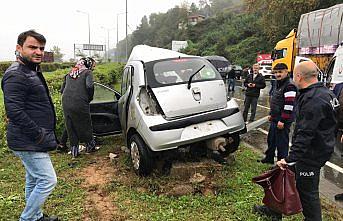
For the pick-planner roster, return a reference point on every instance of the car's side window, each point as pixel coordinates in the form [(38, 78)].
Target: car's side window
[(103, 94)]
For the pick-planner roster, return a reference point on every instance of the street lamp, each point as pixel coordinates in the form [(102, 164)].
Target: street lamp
[(89, 28), (108, 40)]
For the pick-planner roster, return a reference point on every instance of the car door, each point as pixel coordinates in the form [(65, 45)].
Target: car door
[(124, 101), (104, 111)]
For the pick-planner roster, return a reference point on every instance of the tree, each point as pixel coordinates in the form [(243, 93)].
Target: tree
[(194, 8), (57, 54), (279, 17), (219, 5)]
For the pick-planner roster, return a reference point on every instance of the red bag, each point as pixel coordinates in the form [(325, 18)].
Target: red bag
[(280, 192)]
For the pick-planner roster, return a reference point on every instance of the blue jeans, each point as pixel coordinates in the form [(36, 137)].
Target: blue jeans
[(40, 181), (278, 140), (231, 84)]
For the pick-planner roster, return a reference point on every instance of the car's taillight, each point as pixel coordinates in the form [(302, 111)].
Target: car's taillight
[(148, 103)]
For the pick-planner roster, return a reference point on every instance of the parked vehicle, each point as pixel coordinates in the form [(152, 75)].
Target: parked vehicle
[(335, 68), (220, 63), (266, 70), (238, 70), (318, 36), (168, 101)]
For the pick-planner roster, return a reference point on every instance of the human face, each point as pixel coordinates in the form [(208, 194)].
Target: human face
[(32, 50), (280, 74), (256, 68)]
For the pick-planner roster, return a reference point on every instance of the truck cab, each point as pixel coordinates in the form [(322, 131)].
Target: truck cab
[(285, 51)]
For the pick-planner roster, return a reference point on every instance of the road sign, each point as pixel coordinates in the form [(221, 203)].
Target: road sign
[(93, 47)]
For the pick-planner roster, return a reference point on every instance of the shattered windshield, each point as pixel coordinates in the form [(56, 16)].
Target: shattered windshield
[(178, 71)]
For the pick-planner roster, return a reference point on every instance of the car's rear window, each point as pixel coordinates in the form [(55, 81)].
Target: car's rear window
[(178, 71)]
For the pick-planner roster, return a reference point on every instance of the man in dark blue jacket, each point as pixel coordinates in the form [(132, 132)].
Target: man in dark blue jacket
[(31, 126)]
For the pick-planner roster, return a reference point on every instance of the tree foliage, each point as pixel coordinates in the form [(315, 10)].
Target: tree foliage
[(57, 54), (279, 17), (235, 29)]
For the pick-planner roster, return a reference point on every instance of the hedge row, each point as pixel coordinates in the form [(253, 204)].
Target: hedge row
[(46, 67), (107, 74)]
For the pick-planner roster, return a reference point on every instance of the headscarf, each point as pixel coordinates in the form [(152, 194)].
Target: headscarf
[(83, 64)]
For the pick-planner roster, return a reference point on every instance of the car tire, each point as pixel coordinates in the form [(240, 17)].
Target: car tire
[(140, 156)]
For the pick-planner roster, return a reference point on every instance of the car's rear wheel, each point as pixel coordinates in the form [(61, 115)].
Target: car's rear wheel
[(140, 156)]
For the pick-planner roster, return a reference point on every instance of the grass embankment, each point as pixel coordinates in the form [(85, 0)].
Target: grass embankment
[(135, 198), (231, 193)]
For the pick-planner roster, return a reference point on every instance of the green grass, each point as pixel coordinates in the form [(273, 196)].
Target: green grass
[(236, 194)]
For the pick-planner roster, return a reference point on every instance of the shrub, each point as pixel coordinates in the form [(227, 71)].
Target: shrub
[(46, 67), (107, 74)]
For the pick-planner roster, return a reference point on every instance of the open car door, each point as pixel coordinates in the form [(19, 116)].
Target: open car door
[(104, 111)]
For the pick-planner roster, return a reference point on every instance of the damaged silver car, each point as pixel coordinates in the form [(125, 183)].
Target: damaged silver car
[(171, 100)]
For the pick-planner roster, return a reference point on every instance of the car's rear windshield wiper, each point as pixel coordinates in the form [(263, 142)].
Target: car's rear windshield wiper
[(190, 78)]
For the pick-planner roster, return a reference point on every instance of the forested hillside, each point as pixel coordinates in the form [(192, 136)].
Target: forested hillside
[(236, 29)]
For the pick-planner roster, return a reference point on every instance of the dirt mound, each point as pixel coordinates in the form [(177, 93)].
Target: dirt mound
[(98, 204)]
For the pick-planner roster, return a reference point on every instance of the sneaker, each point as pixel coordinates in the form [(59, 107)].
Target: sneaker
[(48, 218), (339, 197), (266, 161), (265, 211), (91, 147)]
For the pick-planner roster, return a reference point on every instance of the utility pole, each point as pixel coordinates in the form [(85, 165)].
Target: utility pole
[(126, 30), (117, 48), (89, 29)]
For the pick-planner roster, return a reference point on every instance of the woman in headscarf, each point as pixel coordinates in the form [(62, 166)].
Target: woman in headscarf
[(77, 93)]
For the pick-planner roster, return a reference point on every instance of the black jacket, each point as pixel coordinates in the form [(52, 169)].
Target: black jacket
[(29, 109), (260, 84), (314, 134), (232, 74), (281, 107)]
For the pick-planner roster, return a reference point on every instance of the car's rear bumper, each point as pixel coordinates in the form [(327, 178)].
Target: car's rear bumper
[(166, 135)]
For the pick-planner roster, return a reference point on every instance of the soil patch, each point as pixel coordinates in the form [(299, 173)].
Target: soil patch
[(98, 204)]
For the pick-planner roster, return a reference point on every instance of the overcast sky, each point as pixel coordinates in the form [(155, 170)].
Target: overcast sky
[(63, 26)]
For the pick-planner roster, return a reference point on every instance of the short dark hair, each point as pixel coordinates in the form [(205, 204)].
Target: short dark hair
[(280, 66), (22, 37)]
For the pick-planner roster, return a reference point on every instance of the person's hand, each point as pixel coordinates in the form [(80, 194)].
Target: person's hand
[(280, 125), (282, 164), (249, 85), (269, 118), (253, 85), (342, 138)]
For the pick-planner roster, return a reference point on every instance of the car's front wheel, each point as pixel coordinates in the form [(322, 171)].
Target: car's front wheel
[(140, 156)]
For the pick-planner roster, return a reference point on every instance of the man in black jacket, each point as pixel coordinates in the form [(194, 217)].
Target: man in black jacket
[(31, 126), (314, 136), (254, 83)]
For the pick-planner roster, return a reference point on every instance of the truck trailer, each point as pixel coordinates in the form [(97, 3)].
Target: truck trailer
[(317, 37)]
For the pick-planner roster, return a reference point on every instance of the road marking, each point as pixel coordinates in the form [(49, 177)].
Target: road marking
[(257, 104), (329, 164)]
